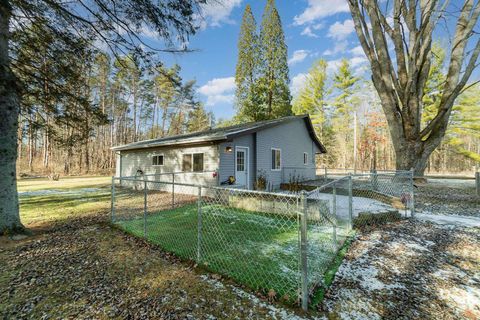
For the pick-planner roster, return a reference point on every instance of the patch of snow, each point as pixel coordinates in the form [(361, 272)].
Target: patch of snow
[(47, 192), (360, 204), (450, 220), (274, 312), (464, 297), (452, 182)]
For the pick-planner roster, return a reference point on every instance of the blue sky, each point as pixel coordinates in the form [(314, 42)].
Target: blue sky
[(313, 29)]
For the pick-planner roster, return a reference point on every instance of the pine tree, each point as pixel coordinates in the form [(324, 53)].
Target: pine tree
[(434, 84), (465, 124), (246, 73), (198, 119), (344, 106), (312, 97), (273, 84)]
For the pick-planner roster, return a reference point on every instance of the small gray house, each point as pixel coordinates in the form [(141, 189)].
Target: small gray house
[(279, 150)]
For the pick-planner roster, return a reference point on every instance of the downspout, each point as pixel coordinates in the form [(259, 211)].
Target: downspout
[(254, 173), (119, 154)]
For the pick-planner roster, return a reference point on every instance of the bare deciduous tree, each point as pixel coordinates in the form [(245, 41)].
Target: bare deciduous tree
[(396, 37)]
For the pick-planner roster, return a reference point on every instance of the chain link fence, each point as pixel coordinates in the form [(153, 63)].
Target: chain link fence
[(278, 243), (448, 196)]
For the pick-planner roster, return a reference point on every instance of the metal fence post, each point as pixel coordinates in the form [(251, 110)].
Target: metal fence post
[(412, 194), (374, 180), (145, 209), (173, 190), (477, 182), (199, 225), (112, 210), (334, 212), (303, 251), (350, 201)]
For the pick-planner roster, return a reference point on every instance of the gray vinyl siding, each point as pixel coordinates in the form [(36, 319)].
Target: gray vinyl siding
[(227, 160), (131, 161), (293, 139)]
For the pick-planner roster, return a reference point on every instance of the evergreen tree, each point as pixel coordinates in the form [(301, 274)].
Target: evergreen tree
[(312, 97), (273, 84), (167, 84), (199, 119), (432, 92), (463, 133), (246, 72), (344, 106)]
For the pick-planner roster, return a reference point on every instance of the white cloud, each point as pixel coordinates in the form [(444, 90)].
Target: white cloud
[(214, 13), (297, 83), (357, 51), (340, 31), (318, 9), (339, 47), (309, 30), (333, 65), (298, 56), (357, 64), (220, 98), (218, 90)]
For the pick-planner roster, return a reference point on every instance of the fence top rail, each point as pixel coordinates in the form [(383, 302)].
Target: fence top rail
[(328, 185), (360, 170), (231, 189)]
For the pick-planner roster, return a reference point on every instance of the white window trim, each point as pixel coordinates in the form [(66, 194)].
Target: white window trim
[(305, 159), (158, 165), (191, 156), (271, 165)]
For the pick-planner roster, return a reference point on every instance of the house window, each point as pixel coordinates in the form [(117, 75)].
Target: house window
[(157, 160), (192, 162), (198, 162), (276, 159), (305, 158)]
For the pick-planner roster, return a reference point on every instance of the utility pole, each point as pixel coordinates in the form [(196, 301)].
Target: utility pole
[(354, 142)]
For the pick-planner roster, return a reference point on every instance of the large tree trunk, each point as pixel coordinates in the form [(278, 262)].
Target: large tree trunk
[(400, 62), (9, 112)]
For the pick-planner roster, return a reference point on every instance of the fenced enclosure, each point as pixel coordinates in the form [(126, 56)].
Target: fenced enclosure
[(279, 243)]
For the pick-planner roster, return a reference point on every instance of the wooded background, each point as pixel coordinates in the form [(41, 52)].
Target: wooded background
[(78, 102)]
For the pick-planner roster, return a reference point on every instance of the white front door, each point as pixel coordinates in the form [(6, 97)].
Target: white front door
[(241, 166)]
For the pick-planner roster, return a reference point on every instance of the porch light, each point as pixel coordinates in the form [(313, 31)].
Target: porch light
[(228, 149)]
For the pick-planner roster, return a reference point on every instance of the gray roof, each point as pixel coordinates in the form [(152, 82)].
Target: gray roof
[(219, 134)]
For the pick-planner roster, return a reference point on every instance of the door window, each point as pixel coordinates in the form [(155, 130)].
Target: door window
[(240, 160)]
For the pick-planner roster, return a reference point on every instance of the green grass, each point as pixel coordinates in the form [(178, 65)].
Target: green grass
[(257, 249), (329, 275), (43, 201)]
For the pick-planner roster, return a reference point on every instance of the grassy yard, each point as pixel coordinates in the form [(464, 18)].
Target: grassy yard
[(258, 249), (43, 201), (75, 265)]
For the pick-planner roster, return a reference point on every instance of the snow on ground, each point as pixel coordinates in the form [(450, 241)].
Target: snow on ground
[(459, 183), (359, 204), (48, 192), (452, 220), (409, 270), (274, 311)]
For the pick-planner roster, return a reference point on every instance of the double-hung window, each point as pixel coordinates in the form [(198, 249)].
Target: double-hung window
[(276, 159)]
